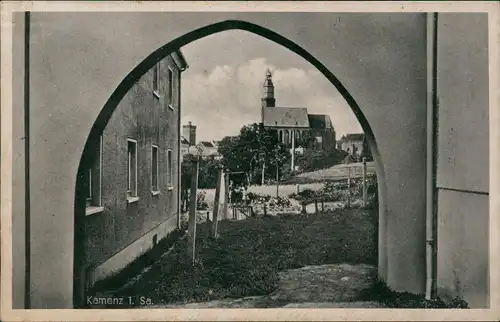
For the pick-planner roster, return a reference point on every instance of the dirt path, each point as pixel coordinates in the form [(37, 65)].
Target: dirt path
[(326, 286)]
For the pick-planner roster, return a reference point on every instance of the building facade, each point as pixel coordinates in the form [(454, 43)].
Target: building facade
[(132, 183), (208, 149), (294, 126), (353, 144)]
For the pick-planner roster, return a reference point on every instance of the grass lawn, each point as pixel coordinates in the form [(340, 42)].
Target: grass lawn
[(337, 172), (247, 257)]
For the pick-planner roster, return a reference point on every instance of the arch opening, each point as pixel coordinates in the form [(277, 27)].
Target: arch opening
[(148, 63)]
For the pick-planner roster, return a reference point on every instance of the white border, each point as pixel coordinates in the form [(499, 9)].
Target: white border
[(246, 314)]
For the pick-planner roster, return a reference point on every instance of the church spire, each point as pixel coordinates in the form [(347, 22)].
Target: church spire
[(268, 99)]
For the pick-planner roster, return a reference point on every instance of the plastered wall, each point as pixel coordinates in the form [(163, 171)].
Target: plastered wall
[(463, 157)]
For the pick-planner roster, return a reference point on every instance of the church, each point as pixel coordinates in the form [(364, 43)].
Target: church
[(294, 124)]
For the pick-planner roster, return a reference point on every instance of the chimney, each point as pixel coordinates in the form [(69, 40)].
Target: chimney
[(189, 133)]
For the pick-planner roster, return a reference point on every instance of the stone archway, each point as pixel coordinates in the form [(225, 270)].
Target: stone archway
[(132, 77)]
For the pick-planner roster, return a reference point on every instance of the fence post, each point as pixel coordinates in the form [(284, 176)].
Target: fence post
[(349, 187), (226, 194), (315, 206), (277, 181), (365, 192), (322, 205), (215, 216), (265, 210), (192, 212)]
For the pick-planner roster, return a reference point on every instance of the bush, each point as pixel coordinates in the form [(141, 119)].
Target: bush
[(207, 173), (201, 204), (380, 292), (315, 159)]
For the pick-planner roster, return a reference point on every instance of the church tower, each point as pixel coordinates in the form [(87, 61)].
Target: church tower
[(268, 99)]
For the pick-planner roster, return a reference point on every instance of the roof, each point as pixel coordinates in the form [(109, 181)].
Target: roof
[(320, 121), (268, 82), (353, 137), (184, 140), (285, 117), (207, 144)]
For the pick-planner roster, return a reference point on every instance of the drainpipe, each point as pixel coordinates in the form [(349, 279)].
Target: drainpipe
[(431, 155), (179, 163)]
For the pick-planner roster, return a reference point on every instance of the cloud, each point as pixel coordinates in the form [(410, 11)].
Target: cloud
[(222, 100)]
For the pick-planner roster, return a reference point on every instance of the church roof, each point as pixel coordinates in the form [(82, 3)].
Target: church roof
[(285, 117), (320, 121)]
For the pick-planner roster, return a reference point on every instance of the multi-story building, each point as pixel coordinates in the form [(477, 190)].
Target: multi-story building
[(133, 183)]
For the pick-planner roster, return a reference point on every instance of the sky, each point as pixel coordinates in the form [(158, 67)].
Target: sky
[(222, 88)]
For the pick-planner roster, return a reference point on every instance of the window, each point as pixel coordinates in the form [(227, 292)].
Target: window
[(132, 169), (170, 92), (169, 169), (90, 193), (156, 80), (92, 178), (154, 169)]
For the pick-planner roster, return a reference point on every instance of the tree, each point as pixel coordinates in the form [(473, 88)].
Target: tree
[(251, 150), (366, 153), (315, 159), (207, 173), (307, 139)]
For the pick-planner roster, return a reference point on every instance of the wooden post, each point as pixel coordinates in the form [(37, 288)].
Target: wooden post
[(315, 206), (365, 192), (298, 189), (322, 205), (263, 171), (293, 151), (349, 187), (192, 212), (277, 180), (215, 216), (265, 210), (226, 195)]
